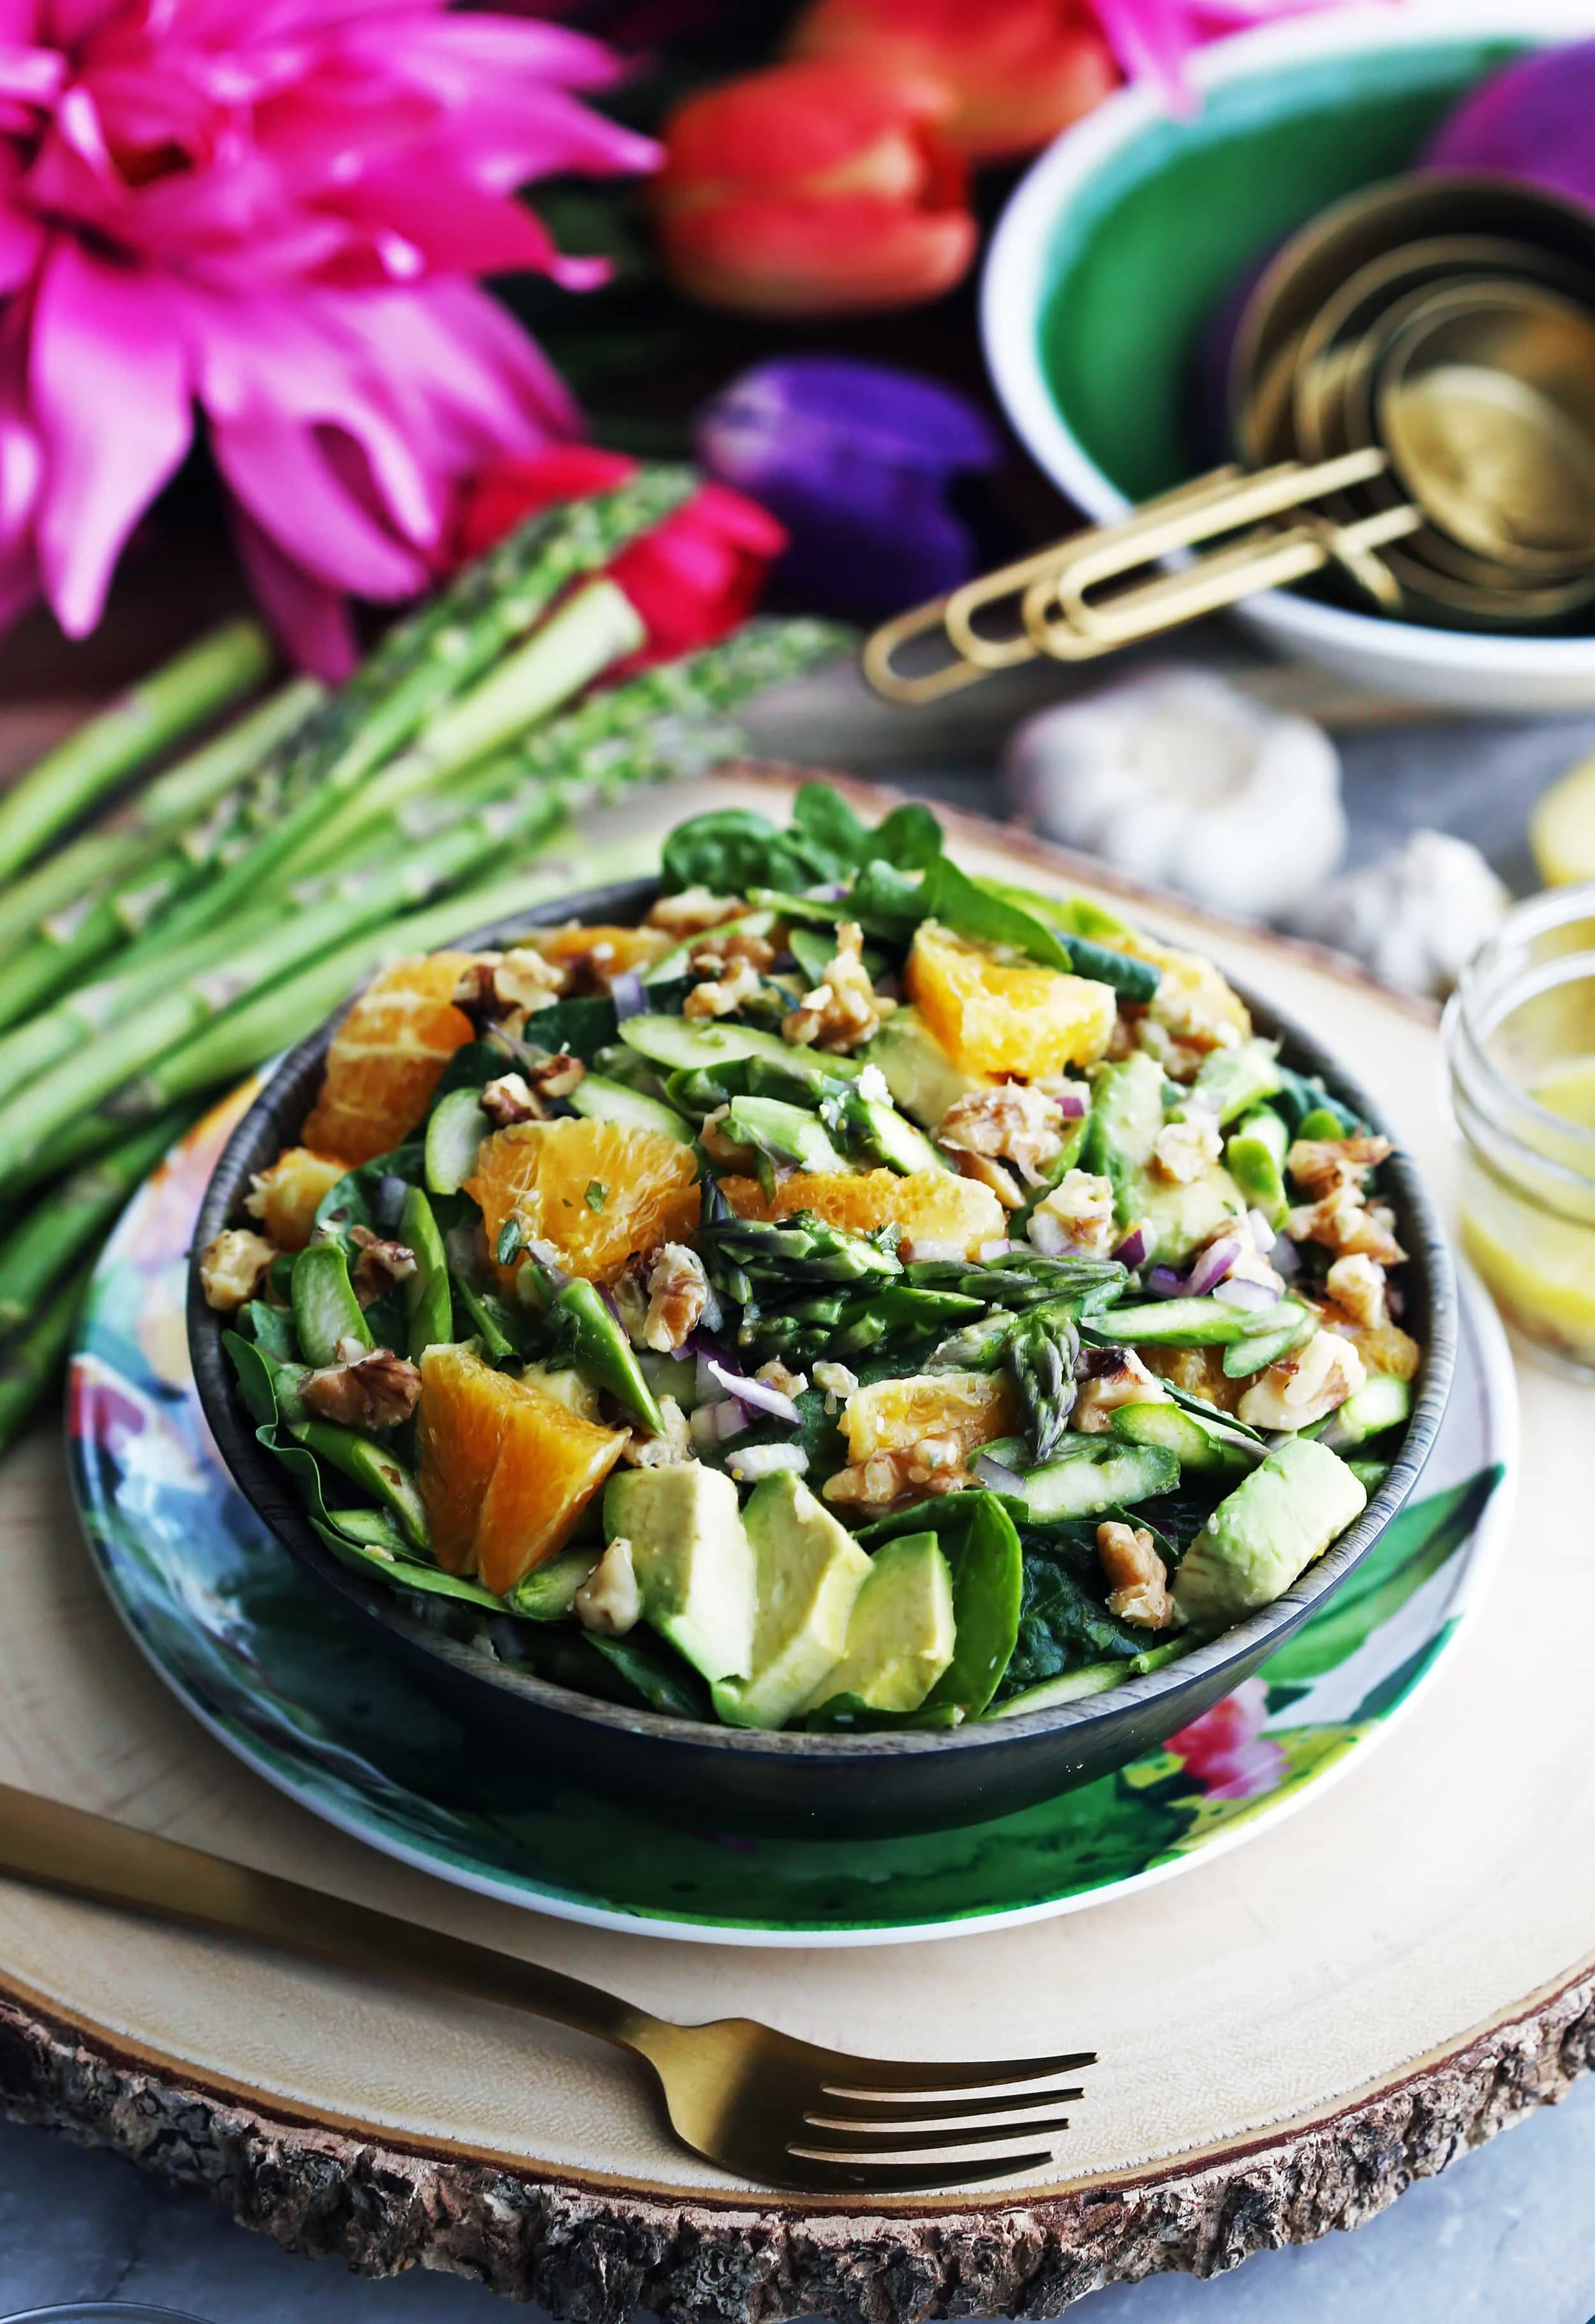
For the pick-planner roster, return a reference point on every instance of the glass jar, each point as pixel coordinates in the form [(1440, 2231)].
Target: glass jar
[(1519, 1036)]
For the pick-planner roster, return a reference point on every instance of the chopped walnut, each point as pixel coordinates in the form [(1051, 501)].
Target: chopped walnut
[(609, 1601), (985, 1172), (1193, 1003), (474, 990), (843, 1010), (1107, 1377), (1011, 1123), (381, 1265), (1321, 1165), (525, 1096), (775, 1375), (718, 951), (1344, 1224), (669, 1449), (1135, 1575), (677, 1294), (523, 979), (694, 911), (720, 995), (232, 1267), (937, 1465), (1185, 1150), (1305, 1386), (371, 1389), (1357, 1286), (1077, 1216)]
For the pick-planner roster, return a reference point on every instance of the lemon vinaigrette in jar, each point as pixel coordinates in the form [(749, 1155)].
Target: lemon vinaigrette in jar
[(1520, 1049)]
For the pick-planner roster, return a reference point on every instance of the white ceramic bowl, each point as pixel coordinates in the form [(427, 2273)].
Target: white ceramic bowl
[(1319, 59)]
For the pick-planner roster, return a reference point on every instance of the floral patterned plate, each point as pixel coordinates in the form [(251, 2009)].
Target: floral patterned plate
[(306, 1698)]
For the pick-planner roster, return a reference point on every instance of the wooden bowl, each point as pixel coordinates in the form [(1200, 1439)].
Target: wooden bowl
[(735, 1779)]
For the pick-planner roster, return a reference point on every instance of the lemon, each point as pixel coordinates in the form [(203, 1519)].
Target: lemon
[(1562, 828)]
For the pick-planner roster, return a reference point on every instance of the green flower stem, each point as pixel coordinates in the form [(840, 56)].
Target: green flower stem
[(32, 1364), (149, 718), (492, 604), (576, 644), (35, 1255), (191, 788)]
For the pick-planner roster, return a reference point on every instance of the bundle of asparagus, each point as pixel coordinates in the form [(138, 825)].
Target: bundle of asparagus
[(216, 915)]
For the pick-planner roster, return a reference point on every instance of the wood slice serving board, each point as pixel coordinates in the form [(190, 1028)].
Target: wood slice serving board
[(1287, 2035)]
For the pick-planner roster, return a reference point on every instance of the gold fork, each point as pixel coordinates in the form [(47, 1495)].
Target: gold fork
[(766, 2108)]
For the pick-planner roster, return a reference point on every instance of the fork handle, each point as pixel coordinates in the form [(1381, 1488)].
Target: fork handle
[(53, 1846)]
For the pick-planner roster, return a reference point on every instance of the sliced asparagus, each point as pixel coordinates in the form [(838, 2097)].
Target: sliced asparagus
[(35, 1255), (32, 1363)]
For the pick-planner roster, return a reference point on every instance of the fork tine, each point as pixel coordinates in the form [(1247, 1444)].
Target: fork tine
[(890, 2077), (957, 2109), (915, 2178), (921, 2141)]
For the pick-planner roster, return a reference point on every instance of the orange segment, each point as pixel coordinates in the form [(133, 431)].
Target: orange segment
[(285, 1197), (598, 1191), (929, 1205), (993, 1016), (387, 1057), (891, 1413), (506, 1470), (602, 951)]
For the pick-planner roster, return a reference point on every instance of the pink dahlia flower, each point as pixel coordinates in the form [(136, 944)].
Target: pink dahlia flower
[(270, 212), (1226, 1749)]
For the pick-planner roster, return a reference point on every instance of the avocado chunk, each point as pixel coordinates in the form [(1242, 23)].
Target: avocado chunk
[(694, 1565), (1125, 1117), (1267, 1531), (810, 1570), (902, 1635), (1178, 1219), (923, 1079)]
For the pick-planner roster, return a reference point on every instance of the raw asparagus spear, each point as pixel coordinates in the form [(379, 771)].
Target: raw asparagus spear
[(494, 604), (151, 716), (35, 1255), (190, 789), (31, 1365), (237, 963)]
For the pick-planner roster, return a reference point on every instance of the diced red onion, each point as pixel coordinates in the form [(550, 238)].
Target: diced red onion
[(1213, 1265), (548, 1259), (1165, 1283), (999, 1247), (625, 989), (1132, 1250), (1239, 1292), (731, 1418), (755, 1392), (1262, 1234), (1048, 1235), (829, 891), (996, 1475), (1284, 1259), (1069, 1104)]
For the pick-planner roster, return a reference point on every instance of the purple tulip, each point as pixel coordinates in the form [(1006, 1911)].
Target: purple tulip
[(1531, 121), (856, 459)]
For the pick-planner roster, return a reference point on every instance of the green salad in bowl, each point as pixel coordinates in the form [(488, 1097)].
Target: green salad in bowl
[(850, 1295)]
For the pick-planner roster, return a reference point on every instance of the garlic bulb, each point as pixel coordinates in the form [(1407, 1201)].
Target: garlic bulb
[(1415, 919), (1179, 779)]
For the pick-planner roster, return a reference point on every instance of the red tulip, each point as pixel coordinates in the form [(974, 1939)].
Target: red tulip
[(813, 189), (1021, 69), (693, 579)]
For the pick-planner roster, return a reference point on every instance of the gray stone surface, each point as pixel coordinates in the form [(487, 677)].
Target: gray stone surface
[(1505, 2236)]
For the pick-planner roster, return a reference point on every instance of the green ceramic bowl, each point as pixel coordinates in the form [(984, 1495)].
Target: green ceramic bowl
[(1128, 234)]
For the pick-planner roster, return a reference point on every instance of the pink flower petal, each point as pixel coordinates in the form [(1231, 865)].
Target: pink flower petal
[(311, 620), (281, 472), (110, 389)]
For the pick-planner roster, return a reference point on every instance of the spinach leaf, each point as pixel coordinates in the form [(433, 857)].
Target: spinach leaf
[(360, 1198), (630, 1670), (973, 908), (730, 850), (829, 833), (1064, 1625), (981, 1544), (909, 837)]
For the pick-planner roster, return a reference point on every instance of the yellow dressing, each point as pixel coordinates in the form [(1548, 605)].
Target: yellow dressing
[(1539, 1266)]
